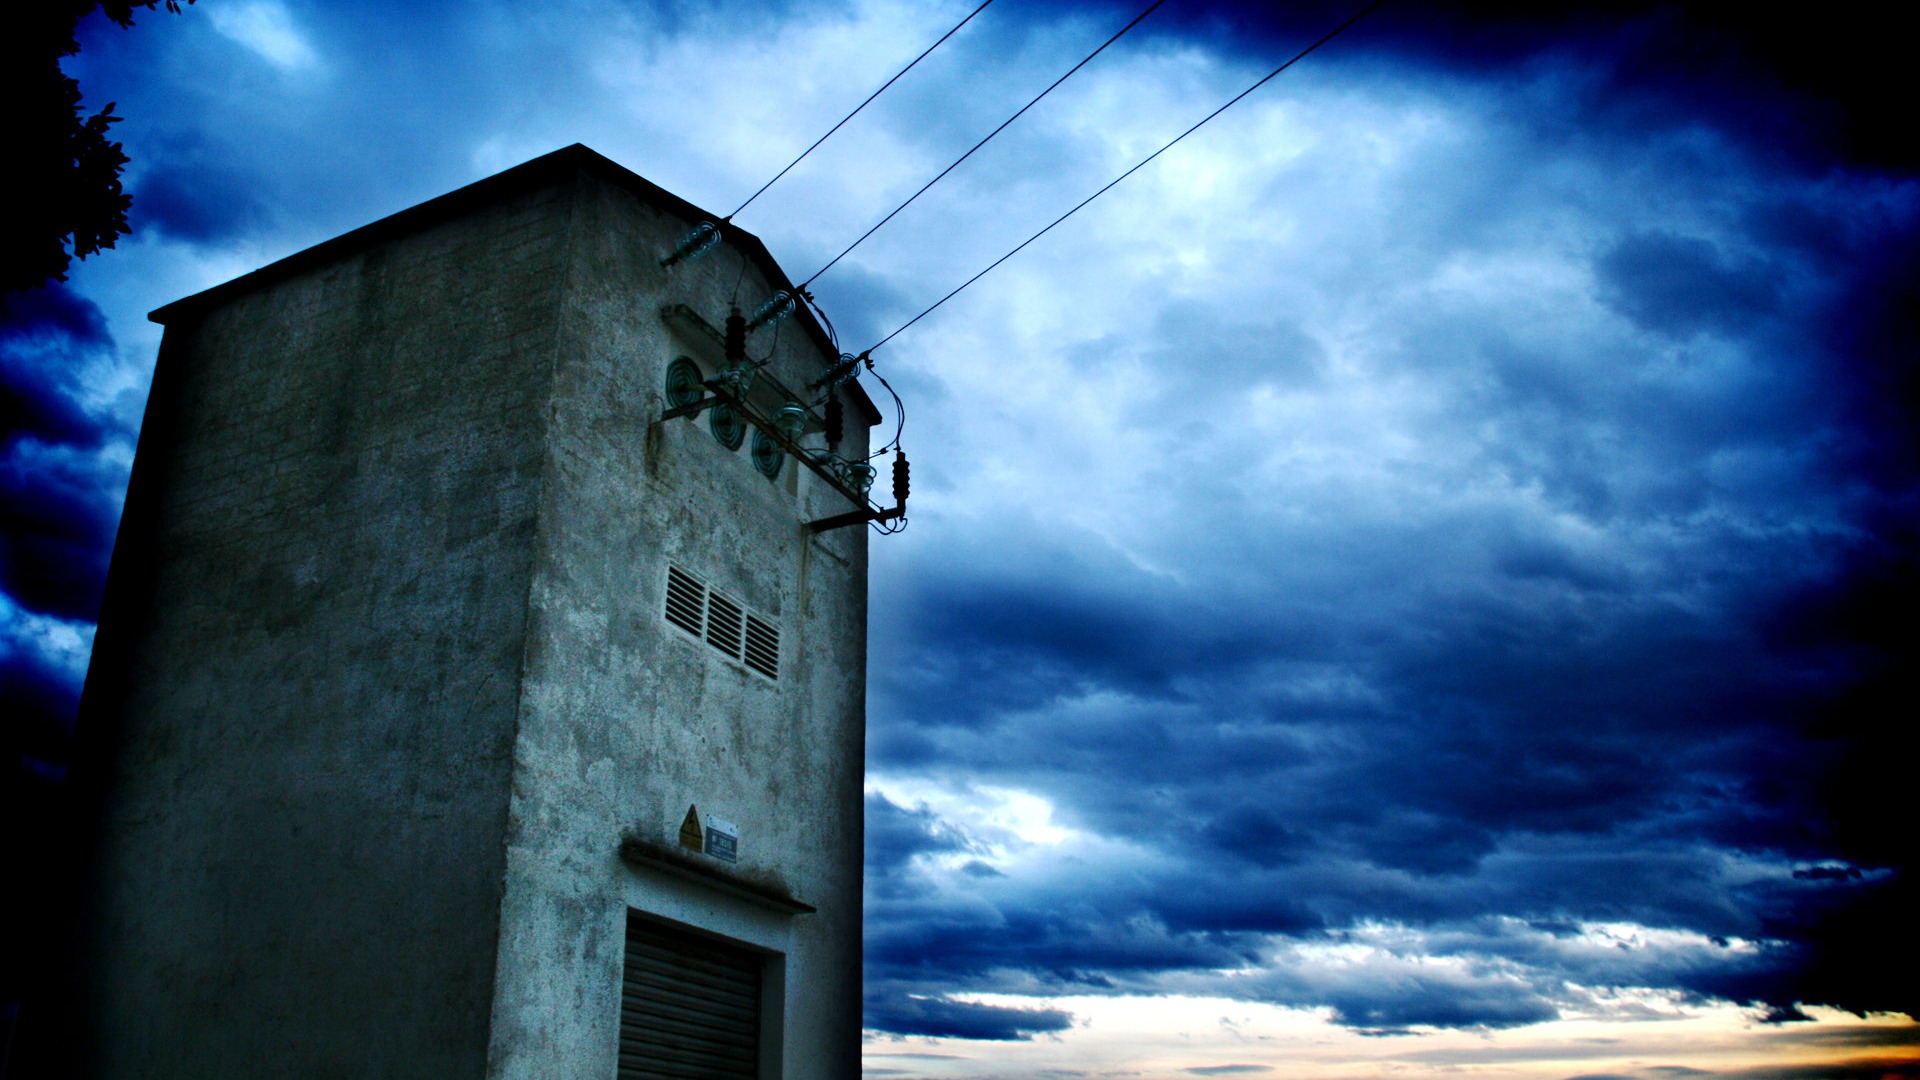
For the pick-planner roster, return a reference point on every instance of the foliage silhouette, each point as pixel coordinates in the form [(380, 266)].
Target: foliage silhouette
[(67, 197)]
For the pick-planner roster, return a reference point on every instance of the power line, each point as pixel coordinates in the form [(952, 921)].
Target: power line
[(856, 111), (1003, 126), (1335, 32)]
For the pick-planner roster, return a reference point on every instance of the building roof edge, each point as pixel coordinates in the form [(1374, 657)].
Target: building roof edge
[(551, 168)]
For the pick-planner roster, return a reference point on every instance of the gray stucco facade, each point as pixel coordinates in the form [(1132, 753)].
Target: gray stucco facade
[(393, 735)]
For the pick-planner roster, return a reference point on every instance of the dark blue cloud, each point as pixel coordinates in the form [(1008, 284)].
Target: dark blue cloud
[(1077, 942), (61, 480), (1806, 90), (1440, 1003), (59, 500), (942, 1017), (46, 336), (1257, 834), (191, 191), (1507, 729), (894, 836), (42, 701), (1681, 285), (57, 518), (59, 505), (1546, 734), (1570, 704)]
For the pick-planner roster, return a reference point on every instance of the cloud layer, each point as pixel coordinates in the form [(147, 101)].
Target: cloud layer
[(1436, 547)]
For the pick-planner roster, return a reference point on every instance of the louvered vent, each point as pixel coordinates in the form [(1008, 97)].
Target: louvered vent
[(723, 624), (763, 647), (689, 1007), (686, 601)]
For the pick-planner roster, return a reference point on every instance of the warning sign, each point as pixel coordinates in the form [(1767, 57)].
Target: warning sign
[(690, 834)]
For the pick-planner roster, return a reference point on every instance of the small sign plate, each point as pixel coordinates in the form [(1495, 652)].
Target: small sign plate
[(723, 839), (690, 835)]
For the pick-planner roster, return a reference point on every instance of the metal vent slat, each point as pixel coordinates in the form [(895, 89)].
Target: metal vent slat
[(686, 600), (722, 986), (669, 1071), (724, 980), (662, 1046), (723, 624), (763, 647), (689, 1007), (708, 1009), (673, 1017)]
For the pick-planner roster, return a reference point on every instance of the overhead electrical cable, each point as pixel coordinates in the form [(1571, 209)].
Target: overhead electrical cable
[(1335, 32), (856, 111), (1003, 126)]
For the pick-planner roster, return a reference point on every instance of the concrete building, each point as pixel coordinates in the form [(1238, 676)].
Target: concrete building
[(457, 715)]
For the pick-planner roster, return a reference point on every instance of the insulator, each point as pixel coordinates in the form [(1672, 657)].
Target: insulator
[(838, 374), (779, 307), (736, 339), (836, 422), (790, 421), (900, 477), (694, 244)]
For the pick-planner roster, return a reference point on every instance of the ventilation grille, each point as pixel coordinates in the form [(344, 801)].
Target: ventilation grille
[(721, 622), (686, 600), (763, 647)]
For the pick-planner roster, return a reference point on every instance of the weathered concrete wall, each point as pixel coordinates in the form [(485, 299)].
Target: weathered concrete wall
[(626, 721), (302, 866)]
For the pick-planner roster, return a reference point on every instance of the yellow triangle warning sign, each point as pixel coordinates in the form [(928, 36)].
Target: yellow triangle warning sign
[(691, 835)]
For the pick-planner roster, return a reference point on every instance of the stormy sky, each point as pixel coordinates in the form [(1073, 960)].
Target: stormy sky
[(1418, 578)]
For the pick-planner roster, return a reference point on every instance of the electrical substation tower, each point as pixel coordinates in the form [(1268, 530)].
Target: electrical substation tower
[(480, 686)]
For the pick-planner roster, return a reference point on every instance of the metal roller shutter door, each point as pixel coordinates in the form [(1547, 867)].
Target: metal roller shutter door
[(689, 1007)]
